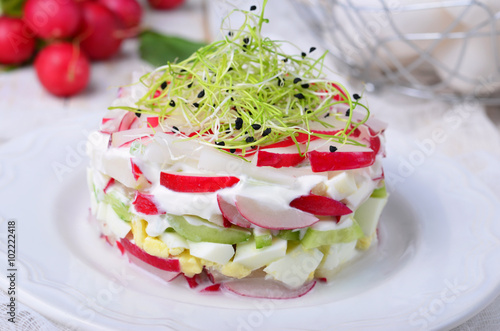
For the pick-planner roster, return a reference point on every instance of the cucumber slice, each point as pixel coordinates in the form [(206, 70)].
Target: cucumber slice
[(263, 238), (379, 192), (289, 235), (120, 208), (200, 230), (315, 238)]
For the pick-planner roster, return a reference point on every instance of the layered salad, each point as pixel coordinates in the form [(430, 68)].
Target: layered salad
[(240, 169)]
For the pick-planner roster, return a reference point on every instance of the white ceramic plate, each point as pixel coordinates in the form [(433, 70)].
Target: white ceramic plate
[(436, 265)]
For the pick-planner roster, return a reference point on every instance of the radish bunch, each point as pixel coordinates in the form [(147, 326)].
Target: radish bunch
[(73, 33)]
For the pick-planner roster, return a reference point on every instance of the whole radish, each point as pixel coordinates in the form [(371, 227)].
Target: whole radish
[(128, 11), (165, 4), (17, 42), (51, 19), (101, 35), (62, 69)]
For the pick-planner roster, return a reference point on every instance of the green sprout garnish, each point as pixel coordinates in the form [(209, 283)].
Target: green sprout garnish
[(243, 92)]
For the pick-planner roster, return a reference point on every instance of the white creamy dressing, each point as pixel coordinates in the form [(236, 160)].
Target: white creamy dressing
[(275, 187)]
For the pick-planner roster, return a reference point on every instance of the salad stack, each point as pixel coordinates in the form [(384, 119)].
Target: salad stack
[(240, 168)]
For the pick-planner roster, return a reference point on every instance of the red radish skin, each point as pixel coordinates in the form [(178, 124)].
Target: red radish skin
[(266, 289), (63, 69), (165, 4), (320, 205), (17, 42), (196, 183), (100, 36), (120, 247), (328, 161), (274, 159), (136, 171), (53, 19), (192, 282), (171, 265), (231, 213), (128, 11), (144, 203), (110, 183), (211, 288)]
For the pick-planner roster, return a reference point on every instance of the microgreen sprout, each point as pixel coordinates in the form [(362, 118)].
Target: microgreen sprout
[(243, 92)]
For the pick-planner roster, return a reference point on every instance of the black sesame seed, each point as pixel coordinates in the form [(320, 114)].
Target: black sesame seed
[(196, 104), (305, 85), (250, 139), (333, 149), (232, 150), (230, 69), (296, 80), (232, 99), (285, 60), (190, 85), (299, 96), (327, 115), (228, 131), (266, 132), (256, 126), (312, 49), (356, 96), (138, 114), (303, 54), (281, 82), (220, 143), (253, 7), (201, 94), (308, 111), (183, 70), (175, 129), (253, 147), (348, 112), (172, 103), (249, 113), (230, 33), (238, 124), (163, 85), (246, 40)]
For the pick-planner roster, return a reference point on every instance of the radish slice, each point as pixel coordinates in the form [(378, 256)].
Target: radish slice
[(266, 289), (144, 203), (136, 171), (127, 121), (320, 205), (269, 217), (111, 181), (279, 157), (172, 265), (231, 213), (162, 274), (118, 139), (211, 288), (196, 183), (192, 282), (327, 161)]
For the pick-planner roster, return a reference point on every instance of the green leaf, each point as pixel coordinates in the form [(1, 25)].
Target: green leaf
[(12, 8), (158, 49)]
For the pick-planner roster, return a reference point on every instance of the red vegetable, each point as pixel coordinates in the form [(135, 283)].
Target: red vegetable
[(62, 69), (101, 31), (51, 19), (17, 42)]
